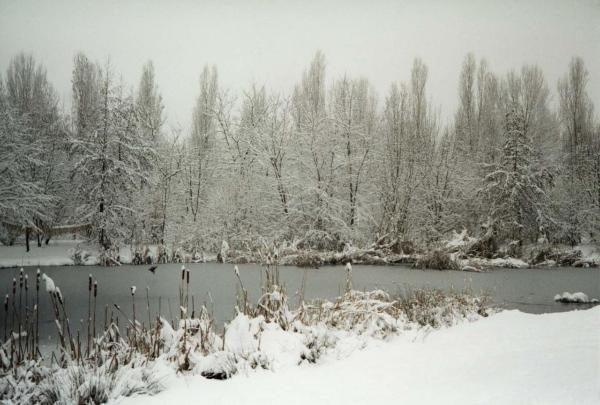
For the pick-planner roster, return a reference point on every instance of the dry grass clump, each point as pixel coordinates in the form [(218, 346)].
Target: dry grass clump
[(371, 313), (437, 260), (80, 385), (436, 308)]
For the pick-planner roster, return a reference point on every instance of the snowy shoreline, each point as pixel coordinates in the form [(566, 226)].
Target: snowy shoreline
[(370, 340), (495, 360), (60, 253)]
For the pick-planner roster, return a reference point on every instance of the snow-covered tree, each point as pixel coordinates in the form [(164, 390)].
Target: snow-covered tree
[(149, 105), (579, 201), (515, 189), (200, 149), (23, 200), (112, 154), (315, 151), (409, 132), (147, 201), (353, 117), (32, 105)]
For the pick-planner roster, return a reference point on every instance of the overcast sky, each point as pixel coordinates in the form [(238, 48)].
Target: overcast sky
[(272, 42)]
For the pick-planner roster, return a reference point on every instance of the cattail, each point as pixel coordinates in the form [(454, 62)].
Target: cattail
[(59, 296), (187, 289), (89, 320), (94, 313), (348, 277), (182, 273), (37, 315), (133, 303), (5, 316), (14, 297), (20, 306), (148, 306), (26, 288), (27, 312)]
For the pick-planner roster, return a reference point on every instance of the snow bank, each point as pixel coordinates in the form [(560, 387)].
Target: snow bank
[(508, 262), (240, 337), (56, 253), (468, 363), (577, 298)]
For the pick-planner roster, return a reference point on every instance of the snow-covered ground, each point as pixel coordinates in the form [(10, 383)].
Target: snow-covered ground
[(508, 358), (56, 253)]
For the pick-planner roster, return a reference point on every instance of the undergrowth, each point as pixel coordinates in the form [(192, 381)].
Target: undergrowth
[(136, 357)]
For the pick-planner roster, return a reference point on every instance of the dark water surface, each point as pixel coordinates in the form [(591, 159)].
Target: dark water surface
[(529, 290)]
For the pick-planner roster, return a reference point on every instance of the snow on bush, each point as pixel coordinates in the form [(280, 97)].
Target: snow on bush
[(576, 298), (265, 336), (84, 385), (459, 240), (435, 308)]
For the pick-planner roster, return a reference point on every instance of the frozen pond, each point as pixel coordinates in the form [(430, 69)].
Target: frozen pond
[(529, 290)]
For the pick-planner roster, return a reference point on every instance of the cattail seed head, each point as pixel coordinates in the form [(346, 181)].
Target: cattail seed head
[(236, 270), (132, 290), (182, 273), (188, 276), (58, 295), (26, 282), (95, 288), (14, 286), (90, 283), (6, 303)]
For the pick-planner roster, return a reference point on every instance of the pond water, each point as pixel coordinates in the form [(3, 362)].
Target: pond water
[(529, 290)]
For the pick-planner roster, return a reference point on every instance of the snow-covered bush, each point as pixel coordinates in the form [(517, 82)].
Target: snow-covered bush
[(79, 256), (109, 256), (97, 385), (575, 298), (437, 308), (437, 260), (264, 335)]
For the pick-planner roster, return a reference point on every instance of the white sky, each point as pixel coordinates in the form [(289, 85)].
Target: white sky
[(273, 41)]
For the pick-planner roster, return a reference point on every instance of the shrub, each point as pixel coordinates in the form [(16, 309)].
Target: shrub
[(437, 260)]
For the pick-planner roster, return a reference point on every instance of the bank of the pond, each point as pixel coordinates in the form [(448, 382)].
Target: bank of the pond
[(77, 252), (508, 358)]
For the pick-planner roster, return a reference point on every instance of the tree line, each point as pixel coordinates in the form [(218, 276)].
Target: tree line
[(327, 165)]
